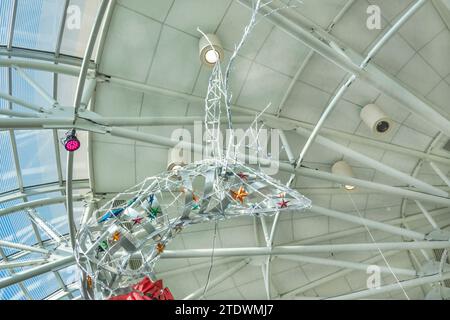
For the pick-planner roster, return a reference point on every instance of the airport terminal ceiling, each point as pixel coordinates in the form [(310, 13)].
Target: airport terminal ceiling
[(353, 97)]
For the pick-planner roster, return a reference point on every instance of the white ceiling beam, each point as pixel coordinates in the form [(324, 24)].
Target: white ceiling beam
[(427, 215), (40, 65), (101, 39), (347, 264), (24, 247), (368, 223), (37, 190), (62, 27), (308, 57), (322, 175), (293, 250), (329, 108), (320, 41), (36, 123), (159, 121), (353, 231), (375, 47), (19, 264), (333, 276), (440, 173), (394, 287), (200, 292), (37, 203), (10, 113), (168, 142), (443, 8), (11, 25), (33, 272), (379, 166), (195, 267), (273, 120), (23, 103), (37, 87), (20, 54)]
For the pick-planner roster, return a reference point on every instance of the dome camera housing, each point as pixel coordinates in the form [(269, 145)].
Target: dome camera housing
[(377, 121)]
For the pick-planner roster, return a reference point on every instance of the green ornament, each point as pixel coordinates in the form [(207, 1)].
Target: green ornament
[(154, 212), (103, 245)]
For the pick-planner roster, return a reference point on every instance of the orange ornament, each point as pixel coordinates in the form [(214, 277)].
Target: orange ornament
[(89, 281), (239, 195), (160, 248), (116, 236), (282, 195)]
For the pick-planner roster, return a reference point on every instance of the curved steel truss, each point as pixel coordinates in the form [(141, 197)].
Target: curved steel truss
[(26, 261)]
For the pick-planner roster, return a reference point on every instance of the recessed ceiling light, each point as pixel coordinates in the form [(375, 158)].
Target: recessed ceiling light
[(210, 50), (342, 168), (211, 56)]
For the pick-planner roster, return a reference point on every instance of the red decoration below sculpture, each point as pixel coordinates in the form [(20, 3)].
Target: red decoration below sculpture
[(147, 290)]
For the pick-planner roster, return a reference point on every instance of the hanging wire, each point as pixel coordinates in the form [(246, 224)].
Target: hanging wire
[(379, 250), (208, 278)]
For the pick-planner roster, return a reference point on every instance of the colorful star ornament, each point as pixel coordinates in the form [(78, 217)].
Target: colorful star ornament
[(243, 176), (283, 204), (137, 220), (160, 247), (111, 214), (116, 236), (89, 282), (154, 212), (239, 195)]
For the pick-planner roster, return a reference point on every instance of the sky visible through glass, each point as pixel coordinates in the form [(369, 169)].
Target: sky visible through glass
[(36, 27)]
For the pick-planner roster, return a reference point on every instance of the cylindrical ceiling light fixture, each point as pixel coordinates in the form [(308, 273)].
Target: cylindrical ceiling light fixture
[(210, 50), (342, 168), (377, 121)]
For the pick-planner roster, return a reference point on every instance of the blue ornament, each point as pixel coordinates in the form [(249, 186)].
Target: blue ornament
[(111, 213)]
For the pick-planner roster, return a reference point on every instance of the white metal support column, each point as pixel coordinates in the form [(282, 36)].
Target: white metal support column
[(293, 250), (440, 173), (77, 103)]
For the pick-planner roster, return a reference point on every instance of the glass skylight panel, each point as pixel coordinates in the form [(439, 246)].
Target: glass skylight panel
[(23, 90), (66, 89), (5, 20), (36, 156), (37, 24), (80, 18), (54, 214), (15, 227), (8, 176), (69, 274), (12, 292), (8, 180), (42, 286)]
